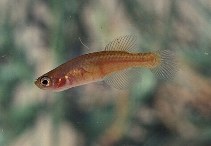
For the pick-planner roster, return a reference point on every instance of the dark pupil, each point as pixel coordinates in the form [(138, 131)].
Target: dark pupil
[(45, 82)]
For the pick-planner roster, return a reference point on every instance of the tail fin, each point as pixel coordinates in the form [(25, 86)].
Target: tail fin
[(167, 67)]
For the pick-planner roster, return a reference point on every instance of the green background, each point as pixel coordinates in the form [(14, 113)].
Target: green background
[(38, 35)]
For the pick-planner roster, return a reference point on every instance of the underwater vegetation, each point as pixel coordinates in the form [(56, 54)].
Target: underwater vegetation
[(37, 36)]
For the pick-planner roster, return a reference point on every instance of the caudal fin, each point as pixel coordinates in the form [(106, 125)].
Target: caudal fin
[(167, 66)]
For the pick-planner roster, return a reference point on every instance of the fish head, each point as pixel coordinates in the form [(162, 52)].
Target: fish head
[(54, 82), (44, 82)]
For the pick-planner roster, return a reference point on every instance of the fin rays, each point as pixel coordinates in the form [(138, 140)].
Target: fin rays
[(123, 79), (124, 43), (168, 65)]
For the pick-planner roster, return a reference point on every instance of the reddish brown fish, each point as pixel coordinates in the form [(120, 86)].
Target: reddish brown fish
[(116, 65)]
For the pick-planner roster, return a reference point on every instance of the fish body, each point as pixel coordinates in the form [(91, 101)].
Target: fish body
[(111, 65)]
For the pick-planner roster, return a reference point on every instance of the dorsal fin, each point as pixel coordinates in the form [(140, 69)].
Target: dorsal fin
[(124, 43), (123, 79)]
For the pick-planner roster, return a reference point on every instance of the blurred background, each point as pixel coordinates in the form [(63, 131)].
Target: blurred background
[(38, 35)]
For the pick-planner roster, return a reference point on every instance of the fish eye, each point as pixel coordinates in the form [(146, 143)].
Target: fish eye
[(45, 81)]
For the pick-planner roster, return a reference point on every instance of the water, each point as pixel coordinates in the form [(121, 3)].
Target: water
[(37, 36)]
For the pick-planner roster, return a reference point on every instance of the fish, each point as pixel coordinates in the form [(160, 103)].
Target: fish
[(118, 65)]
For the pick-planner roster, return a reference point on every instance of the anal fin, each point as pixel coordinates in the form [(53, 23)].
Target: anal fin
[(123, 79)]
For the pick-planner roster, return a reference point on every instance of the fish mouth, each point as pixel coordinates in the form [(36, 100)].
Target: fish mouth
[(36, 83)]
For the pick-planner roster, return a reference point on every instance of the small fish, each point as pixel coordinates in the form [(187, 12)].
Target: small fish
[(118, 65)]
